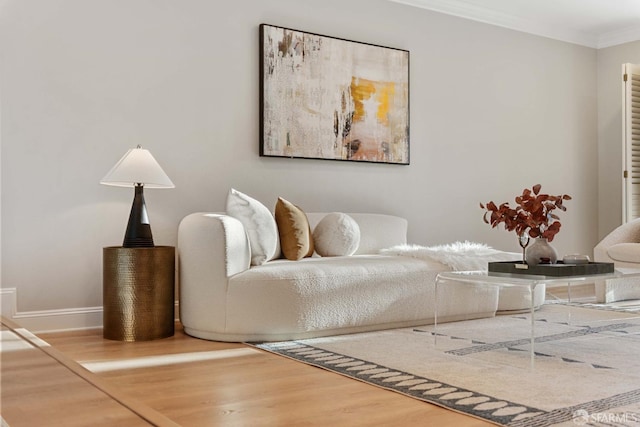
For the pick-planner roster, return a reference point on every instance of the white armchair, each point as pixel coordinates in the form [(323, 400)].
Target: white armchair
[(622, 247)]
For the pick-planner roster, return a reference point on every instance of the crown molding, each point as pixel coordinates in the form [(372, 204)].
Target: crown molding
[(485, 15), (613, 38)]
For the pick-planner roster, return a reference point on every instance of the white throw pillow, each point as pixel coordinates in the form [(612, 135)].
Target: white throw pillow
[(337, 234), (259, 224)]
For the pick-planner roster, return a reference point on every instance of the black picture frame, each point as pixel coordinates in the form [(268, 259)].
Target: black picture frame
[(328, 98)]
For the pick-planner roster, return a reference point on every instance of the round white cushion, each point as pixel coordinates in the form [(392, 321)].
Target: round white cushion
[(337, 234)]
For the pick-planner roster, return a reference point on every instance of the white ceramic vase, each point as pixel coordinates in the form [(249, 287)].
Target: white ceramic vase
[(541, 252)]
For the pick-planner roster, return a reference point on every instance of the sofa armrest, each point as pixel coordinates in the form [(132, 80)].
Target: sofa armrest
[(626, 233), (625, 252), (211, 248)]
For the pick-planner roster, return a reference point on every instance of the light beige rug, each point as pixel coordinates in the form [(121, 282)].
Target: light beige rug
[(586, 368)]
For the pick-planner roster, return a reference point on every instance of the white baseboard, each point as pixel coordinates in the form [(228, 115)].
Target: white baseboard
[(8, 302), (60, 320), (67, 319)]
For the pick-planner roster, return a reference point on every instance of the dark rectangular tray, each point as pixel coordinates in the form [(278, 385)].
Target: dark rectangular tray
[(556, 270)]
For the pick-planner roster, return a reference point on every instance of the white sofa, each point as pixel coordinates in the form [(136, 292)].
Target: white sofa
[(223, 298), (621, 247)]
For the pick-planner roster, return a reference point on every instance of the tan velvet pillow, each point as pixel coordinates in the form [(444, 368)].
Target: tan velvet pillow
[(294, 231)]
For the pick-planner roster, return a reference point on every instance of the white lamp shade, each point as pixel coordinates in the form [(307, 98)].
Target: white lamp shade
[(137, 166)]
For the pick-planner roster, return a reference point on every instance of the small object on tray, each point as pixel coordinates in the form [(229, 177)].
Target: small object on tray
[(576, 259), (560, 269)]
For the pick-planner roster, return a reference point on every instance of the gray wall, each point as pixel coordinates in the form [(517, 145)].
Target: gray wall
[(492, 111), (610, 143)]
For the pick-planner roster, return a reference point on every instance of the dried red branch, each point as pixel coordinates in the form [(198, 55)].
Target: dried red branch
[(532, 214)]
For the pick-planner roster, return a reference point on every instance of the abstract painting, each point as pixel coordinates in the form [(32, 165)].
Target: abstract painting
[(328, 98)]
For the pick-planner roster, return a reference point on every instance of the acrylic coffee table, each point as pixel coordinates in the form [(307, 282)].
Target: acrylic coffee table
[(530, 282)]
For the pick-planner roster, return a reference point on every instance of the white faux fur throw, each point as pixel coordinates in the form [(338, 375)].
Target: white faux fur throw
[(460, 256)]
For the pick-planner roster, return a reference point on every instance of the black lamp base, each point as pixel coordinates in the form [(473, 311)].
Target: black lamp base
[(138, 234)]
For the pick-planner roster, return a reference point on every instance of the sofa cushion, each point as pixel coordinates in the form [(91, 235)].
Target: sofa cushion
[(294, 231), (258, 223), (337, 234), (377, 231), (625, 252), (282, 298)]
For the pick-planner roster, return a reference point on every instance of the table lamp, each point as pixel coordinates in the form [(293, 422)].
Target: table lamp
[(138, 169)]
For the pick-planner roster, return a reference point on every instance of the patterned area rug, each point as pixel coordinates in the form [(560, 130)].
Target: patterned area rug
[(586, 369), (631, 306)]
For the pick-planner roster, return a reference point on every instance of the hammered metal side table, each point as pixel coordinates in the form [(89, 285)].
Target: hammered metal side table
[(138, 293)]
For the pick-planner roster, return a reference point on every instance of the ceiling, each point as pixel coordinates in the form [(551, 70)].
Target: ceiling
[(592, 23)]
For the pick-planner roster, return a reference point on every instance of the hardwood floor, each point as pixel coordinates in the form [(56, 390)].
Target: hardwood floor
[(40, 386), (195, 382)]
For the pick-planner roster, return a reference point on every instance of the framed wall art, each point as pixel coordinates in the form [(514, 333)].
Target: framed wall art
[(327, 98)]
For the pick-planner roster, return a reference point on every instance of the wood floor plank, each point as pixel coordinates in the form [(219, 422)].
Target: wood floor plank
[(37, 390), (244, 386)]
